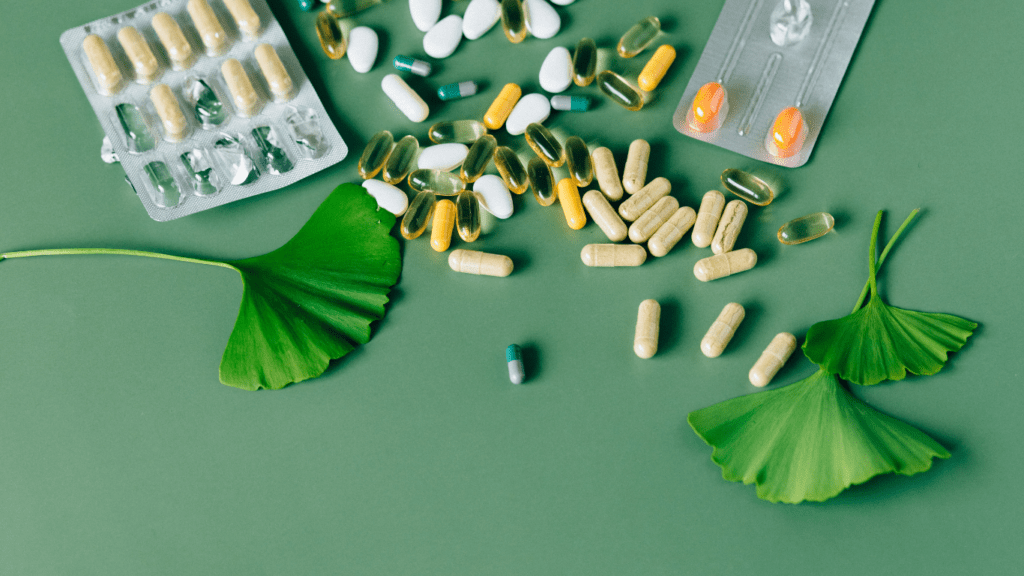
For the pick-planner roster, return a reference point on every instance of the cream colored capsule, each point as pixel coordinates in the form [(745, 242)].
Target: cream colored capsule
[(646, 197), (177, 47), (243, 95), (611, 255), (772, 359), (210, 31), (722, 265), (635, 174), (444, 223), (729, 226), (167, 107), (707, 218), (671, 232), (607, 173), (147, 69), (245, 17), (483, 263), (108, 75), (273, 69), (605, 216), (572, 207), (722, 330), (645, 341), (649, 222)]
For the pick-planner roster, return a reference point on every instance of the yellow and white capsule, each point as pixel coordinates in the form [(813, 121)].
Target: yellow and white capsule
[(722, 330), (772, 359), (645, 340)]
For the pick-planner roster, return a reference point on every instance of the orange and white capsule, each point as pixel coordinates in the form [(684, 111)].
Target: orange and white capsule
[(709, 109), (572, 205), (502, 106), (656, 68), (786, 138)]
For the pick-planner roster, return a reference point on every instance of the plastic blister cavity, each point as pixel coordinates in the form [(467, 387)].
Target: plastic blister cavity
[(769, 74), (189, 135)]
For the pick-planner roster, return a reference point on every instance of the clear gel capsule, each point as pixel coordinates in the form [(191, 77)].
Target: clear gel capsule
[(584, 62), (214, 38), (572, 204), (164, 191), (748, 187), (514, 357), (417, 215), (407, 64), (502, 106), (656, 68), (570, 103), (577, 159), (619, 91), (343, 8), (541, 181), (375, 154), (401, 159), (639, 37), (772, 359), (709, 108), (479, 156), (147, 70), (722, 330), (645, 339), (177, 47), (787, 135), (462, 131), (806, 228), (467, 216), (480, 263), (274, 156), (436, 182), (444, 223), (108, 76), (511, 169), (544, 144), (513, 20), (332, 37), (457, 90)]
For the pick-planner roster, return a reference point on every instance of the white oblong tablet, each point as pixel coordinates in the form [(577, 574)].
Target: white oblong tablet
[(541, 19), (388, 197), (530, 108), (556, 71), (562, 2), (407, 100), (441, 40), (480, 16), (445, 157), (362, 48), (425, 13), (493, 195)]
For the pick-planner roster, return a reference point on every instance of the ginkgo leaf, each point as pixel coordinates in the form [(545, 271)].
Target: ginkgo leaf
[(809, 440)]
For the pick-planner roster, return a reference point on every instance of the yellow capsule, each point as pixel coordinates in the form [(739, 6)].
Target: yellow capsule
[(544, 144), (584, 62), (332, 37), (729, 227), (577, 159), (513, 20), (619, 91), (401, 159), (649, 222), (278, 79), (640, 202), (722, 265), (613, 255), (143, 61), (710, 211), (541, 181), (639, 37), (806, 228), (245, 17), (709, 108), (243, 95), (461, 131), (722, 330), (473, 262), (417, 215), (572, 206), (645, 339), (477, 159), (108, 75), (169, 111), (502, 106), (634, 176), (467, 216), (656, 68), (171, 36), (444, 223), (786, 138), (375, 154), (607, 173), (605, 216), (748, 187), (671, 232), (511, 169), (210, 31), (438, 182), (772, 359)]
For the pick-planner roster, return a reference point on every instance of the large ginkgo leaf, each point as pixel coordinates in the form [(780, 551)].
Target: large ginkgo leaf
[(809, 440)]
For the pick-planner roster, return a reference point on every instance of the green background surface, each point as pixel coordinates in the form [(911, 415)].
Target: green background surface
[(120, 453)]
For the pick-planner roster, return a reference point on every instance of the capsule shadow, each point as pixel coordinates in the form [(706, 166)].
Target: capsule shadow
[(671, 324), (531, 361), (751, 312)]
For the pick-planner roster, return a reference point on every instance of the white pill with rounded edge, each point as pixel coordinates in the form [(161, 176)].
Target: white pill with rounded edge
[(444, 37), (722, 330), (556, 70), (530, 108), (562, 2), (425, 13), (541, 19), (772, 359), (645, 339), (445, 157), (362, 48), (405, 98), (480, 16), (493, 195), (388, 197)]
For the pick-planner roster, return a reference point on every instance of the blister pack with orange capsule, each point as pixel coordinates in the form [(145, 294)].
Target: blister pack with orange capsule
[(768, 76)]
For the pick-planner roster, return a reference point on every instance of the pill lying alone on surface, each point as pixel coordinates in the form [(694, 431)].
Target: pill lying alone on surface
[(481, 263), (405, 98), (722, 265), (645, 340), (514, 357), (414, 65), (388, 197), (656, 68), (457, 90), (613, 255), (722, 330), (772, 359)]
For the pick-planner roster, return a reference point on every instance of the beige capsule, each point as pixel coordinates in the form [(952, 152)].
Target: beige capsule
[(607, 173), (634, 176), (722, 330), (276, 74), (171, 117), (108, 76), (170, 35), (722, 265), (210, 31), (729, 226), (645, 340), (772, 359), (245, 17), (612, 255), (483, 263), (649, 222), (605, 216), (671, 232), (147, 69), (243, 95), (444, 223), (707, 218), (646, 197)]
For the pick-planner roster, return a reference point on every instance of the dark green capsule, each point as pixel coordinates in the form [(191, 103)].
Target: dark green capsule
[(164, 192), (584, 62), (542, 181), (479, 156), (639, 37), (436, 181), (375, 154), (577, 159), (619, 91), (545, 144), (467, 216), (417, 215), (137, 136), (511, 169), (401, 159)]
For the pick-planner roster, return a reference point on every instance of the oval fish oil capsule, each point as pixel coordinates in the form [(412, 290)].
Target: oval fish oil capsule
[(493, 195), (722, 330), (210, 31), (649, 222), (436, 181), (772, 359), (245, 17), (541, 181), (375, 154), (276, 75), (530, 108), (747, 186), (722, 265), (478, 157), (502, 106), (514, 357), (513, 20), (806, 228), (605, 216), (607, 173), (445, 157), (104, 69), (457, 90), (169, 111), (642, 201), (613, 255), (729, 227), (709, 108), (147, 70), (710, 211), (511, 169), (671, 232), (656, 68), (577, 159), (572, 206), (570, 103), (584, 62), (467, 216), (480, 16), (556, 70), (243, 95), (786, 138), (444, 223), (482, 263), (619, 91), (401, 160), (639, 37), (332, 37), (405, 98), (388, 197), (645, 339), (544, 144), (170, 35), (363, 44), (464, 131), (634, 176), (416, 217)]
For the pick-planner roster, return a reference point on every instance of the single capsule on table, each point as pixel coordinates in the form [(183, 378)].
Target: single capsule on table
[(417, 215), (572, 205), (613, 255), (806, 228), (502, 106), (729, 227), (375, 154), (710, 212), (709, 108), (584, 62), (457, 90), (146, 67), (541, 181), (747, 186), (108, 76), (671, 232), (210, 31), (570, 103), (481, 263), (650, 221), (607, 173), (577, 158), (513, 20), (245, 17), (619, 91), (405, 98), (514, 357), (645, 339), (436, 181), (401, 160), (639, 37), (634, 176), (343, 8), (511, 169), (544, 144), (445, 157), (444, 223), (722, 265), (332, 37), (605, 216), (478, 157), (772, 359), (407, 64), (642, 201), (243, 95), (722, 330), (467, 216), (656, 68), (786, 138), (278, 79), (177, 47), (465, 131)]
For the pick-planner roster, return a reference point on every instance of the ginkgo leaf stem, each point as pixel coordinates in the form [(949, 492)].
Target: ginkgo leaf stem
[(870, 284), (113, 251)]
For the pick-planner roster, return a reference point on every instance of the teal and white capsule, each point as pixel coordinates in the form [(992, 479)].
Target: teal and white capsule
[(417, 67), (457, 90), (514, 357), (570, 103)]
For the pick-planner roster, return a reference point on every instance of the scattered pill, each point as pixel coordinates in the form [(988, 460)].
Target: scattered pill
[(170, 35), (806, 228), (478, 157), (245, 17), (607, 173), (442, 40), (748, 187), (639, 37), (722, 330), (388, 197), (210, 31), (463, 131), (584, 62), (772, 359), (363, 44), (444, 157), (514, 357), (634, 176), (646, 197), (729, 227), (405, 98), (167, 108), (425, 13), (786, 138), (147, 70), (541, 181), (544, 143), (375, 154), (656, 68), (493, 195), (562, 2), (530, 108), (542, 21), (343, 8), (275, 73), (457, 90), (605, 216), (648, 318), (243, 95), (650, 221), (438, 182), (709, 109), (480, 16), (572, 205), (556, 70), (619, 91), (483, 263), (671, 232), (511, 169), (307, 5), (613, 255), (467, 216), (108, 75), (502, 106), (332, 38), (444, 224), (513, 20), (710, 211), (570, 103), (407, 64), (417, 215), (401, 160), (722, 265), (577, 160)]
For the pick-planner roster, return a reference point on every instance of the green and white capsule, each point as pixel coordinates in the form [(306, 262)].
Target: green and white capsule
[(407, 64), (570, 103), (514, 357), (457, 90)]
